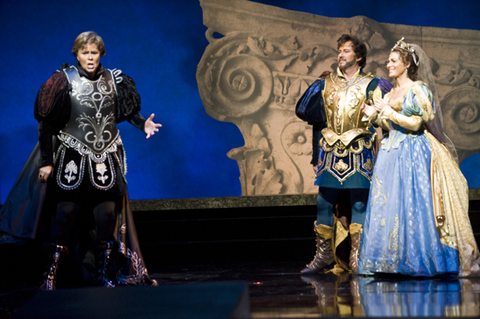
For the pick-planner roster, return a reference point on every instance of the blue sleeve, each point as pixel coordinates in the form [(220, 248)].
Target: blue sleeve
[(317, 135), (414, 105), (310, 106)]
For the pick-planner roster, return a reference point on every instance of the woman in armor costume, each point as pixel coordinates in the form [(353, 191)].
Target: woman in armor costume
[(81, 166), (417, 214)]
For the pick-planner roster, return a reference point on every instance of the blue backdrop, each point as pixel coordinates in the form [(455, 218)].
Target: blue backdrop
[(159, 44)]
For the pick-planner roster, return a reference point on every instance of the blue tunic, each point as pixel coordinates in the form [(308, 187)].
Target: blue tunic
[(310, 108), (400, 234)]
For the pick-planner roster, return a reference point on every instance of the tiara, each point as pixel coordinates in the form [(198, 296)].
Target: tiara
[(405, 46)]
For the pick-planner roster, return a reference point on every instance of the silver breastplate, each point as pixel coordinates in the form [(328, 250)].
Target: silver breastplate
[(92, 119)]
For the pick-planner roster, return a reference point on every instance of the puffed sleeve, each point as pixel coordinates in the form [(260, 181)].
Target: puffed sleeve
[(129, 103), (419, 102), (310, 106), (52, 93), (51, 110), (417, 109)]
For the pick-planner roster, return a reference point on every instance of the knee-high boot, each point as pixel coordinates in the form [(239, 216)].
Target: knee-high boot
[(50, 277), (355, 234), (103, 251), (324, 256)]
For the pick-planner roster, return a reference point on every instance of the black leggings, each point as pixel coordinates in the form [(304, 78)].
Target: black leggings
[(69, 214)]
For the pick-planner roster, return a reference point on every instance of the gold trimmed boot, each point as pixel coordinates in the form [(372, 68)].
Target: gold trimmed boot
[(355, 234), (324, 255)]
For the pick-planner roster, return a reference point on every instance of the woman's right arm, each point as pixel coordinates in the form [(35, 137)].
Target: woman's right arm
[(417, 105), (412, 123)]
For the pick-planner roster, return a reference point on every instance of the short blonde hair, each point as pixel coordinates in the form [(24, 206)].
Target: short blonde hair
[(88, 37)]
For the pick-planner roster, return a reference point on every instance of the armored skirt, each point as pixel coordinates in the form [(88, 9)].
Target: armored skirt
[(417, 213)]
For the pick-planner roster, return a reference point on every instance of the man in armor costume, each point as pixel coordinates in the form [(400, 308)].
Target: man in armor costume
[(343, 153), (81, 166)]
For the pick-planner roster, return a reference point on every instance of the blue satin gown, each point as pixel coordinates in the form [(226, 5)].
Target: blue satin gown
[(400, 234)]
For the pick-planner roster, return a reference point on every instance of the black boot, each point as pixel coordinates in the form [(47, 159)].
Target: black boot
[(103, 252), (50, 277)]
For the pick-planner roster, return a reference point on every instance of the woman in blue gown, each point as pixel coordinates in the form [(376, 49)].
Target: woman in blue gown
[(417, 214)]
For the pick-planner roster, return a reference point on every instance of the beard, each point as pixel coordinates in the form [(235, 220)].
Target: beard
[(346, 65)]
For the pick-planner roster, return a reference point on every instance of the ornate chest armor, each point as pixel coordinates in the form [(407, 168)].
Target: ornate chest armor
[(342, 102), (90, 138), (92, 120), (347, 145)]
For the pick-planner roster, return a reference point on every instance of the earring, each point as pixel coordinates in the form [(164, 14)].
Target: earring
[(406, 70)]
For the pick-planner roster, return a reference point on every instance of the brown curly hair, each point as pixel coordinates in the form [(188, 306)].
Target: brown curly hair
[(407, 58), (358, 47)]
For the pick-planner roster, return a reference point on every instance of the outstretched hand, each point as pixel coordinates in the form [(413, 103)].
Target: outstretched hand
[(150, 126)]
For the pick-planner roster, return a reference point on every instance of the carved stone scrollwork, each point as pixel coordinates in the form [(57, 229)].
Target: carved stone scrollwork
[(297, 143), (263, 59), (462, 119), (240, 84), (243, 80)]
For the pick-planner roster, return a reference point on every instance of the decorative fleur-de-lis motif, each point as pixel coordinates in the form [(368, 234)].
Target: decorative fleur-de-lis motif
[(341, 166), (101, 168), (71, 169)]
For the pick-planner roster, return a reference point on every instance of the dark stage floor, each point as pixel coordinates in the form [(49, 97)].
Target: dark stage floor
[(276, 290), (263, 248)]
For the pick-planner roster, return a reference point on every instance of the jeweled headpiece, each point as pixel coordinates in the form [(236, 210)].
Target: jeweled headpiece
[(405, 46)]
